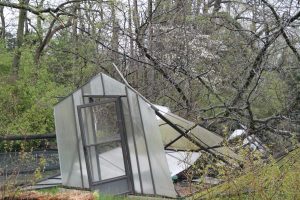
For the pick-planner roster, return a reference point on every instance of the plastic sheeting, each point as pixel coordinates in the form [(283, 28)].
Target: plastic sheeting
[(180, 161)]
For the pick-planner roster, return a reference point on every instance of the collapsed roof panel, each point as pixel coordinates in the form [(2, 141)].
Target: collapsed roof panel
[(205, 137), (172, 139)]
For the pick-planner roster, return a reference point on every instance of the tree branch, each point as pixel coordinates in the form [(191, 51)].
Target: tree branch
[(287, 40)]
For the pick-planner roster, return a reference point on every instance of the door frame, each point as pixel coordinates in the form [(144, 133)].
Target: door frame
[(123, 140)]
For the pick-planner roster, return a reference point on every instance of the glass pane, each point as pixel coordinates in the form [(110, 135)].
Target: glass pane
[(138, 136), (66, 137), (105, 122), (112, 86), (111, 160)]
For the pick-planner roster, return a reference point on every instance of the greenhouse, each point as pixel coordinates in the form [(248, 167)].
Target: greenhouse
[(111, 139)]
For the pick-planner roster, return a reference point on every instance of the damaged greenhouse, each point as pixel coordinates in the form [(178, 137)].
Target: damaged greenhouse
[(113, 140)]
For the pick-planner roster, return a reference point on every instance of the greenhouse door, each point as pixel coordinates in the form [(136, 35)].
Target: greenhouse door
[(105, 147)]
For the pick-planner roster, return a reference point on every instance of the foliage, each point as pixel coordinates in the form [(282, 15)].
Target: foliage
[(27, 104), (273, 180)]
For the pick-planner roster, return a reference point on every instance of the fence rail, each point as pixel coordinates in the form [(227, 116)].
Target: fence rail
[(28, 137)]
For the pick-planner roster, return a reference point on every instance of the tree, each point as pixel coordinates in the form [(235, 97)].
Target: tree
[(2, 30), (20, 38)]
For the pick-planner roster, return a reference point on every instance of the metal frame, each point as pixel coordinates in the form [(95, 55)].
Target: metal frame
[(126, 159)]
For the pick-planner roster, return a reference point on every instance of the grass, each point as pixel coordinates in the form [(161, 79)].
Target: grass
[(108, 197), (57, 190), (52, 190)]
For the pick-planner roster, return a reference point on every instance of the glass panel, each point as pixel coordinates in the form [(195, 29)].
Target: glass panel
[(111, 160), (138, 134), (93, 87), (131, 146), (66, 137), (105, 122), (112, 86), (90, 139), (113, 187)]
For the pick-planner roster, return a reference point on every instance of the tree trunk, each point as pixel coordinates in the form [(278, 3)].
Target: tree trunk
[(205, 7), (130, 35), (254, 17), (115, 33), (217, 6), (150, 74), (74, 34), (39, 22), (48, 37), (2, 30), (136, 18), (136, 22), (20, 37), (197, 8)]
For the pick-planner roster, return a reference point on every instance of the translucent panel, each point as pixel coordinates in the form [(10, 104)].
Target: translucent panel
[(183, 144), (111, 160), (161, 174), (105, 122), (112, 86), (179, 121), (93, 87), (227, 153), (170, 134), (89, 134), (205, 136), (77, 99), (199, 134), (86, 89), (65, 127), (143, 162), (131, 146), (180, 161), (115, 187), (96, 86)]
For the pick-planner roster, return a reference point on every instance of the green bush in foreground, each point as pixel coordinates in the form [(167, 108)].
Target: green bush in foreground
[(275, 180)]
